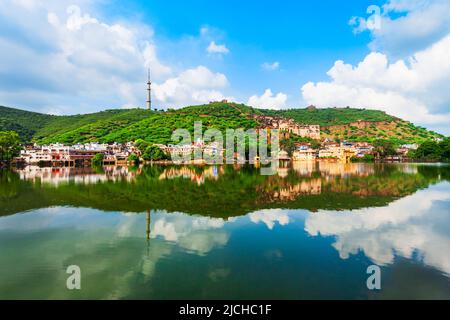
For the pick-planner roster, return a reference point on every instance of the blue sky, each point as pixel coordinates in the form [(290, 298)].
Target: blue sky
[(76, 56), (305, 37)]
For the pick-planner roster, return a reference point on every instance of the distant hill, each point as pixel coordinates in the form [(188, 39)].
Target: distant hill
[(122, 125), (359, 124)]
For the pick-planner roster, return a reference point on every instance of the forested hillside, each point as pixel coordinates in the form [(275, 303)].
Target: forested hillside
[(122, 125)]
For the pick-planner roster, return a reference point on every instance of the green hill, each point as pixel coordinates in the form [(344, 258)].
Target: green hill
[(332, 116), (122, 125), (359, 124)]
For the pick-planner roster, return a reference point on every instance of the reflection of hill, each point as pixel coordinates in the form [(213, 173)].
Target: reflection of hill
[(223, 192)]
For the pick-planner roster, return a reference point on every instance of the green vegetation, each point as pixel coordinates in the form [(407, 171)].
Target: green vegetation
[(25, 123), (153, 153), (432, 151), (134, 159), (150, 152), (236, 191), (9, 145), (36, 127), (331, 116), (353, 124), (367, 158), (123, 125), (384, 148), (97, 160)]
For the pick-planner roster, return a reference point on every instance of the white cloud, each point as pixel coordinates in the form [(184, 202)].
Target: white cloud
[(217, 48), (271, 66), (268, 100), (407, 26), (269, 217), (196, 234), (198, 85), (58, 58), (404, 227), (413, 89)]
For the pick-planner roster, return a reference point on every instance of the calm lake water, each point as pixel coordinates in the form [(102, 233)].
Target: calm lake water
[(168, 232)]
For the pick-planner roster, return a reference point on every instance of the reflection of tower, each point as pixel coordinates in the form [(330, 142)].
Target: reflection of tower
[(149, 92), (148, 224)]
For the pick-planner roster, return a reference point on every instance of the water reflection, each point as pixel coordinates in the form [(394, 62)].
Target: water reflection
[(83, 175), (307, 233), (417, 226), (217, 191)]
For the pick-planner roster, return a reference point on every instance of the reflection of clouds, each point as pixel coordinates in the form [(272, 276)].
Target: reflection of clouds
[(110, 248), (196, 234), (128, 225), (405, 227), (202, 242), (269, 217)]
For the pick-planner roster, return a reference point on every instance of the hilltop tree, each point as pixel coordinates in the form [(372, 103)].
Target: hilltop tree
[(9, 145), (445, 149), (154, 153), (133, 158), (384, 148), (430, 150), (97, 160)]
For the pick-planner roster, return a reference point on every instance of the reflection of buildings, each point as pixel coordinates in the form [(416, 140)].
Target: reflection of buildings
[(345, 169), (304, 168), (325, 168), (307, 187), (291, 192), (83, 175), (211, 173)]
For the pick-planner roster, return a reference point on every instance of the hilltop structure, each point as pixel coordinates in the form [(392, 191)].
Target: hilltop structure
[(288, 127), (149, 92)]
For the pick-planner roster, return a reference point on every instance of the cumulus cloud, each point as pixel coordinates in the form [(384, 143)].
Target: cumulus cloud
[(196, 234), (403, 228), (217, 48), (198, 85), (413, 89), (58, 58), (268, 100), (270, 217), (407, 26), (271, 66)]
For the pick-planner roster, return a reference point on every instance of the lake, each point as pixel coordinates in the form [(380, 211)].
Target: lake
[(226, 232)]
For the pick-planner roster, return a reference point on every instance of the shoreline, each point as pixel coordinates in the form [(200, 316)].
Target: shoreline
[(203, 163)]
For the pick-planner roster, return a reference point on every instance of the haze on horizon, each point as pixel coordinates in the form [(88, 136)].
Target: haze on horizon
[(80, 56)]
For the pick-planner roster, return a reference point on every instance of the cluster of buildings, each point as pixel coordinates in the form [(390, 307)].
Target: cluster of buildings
[(78, 154), (184, 151), (331, 150), (288, 127), (344, 151)]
